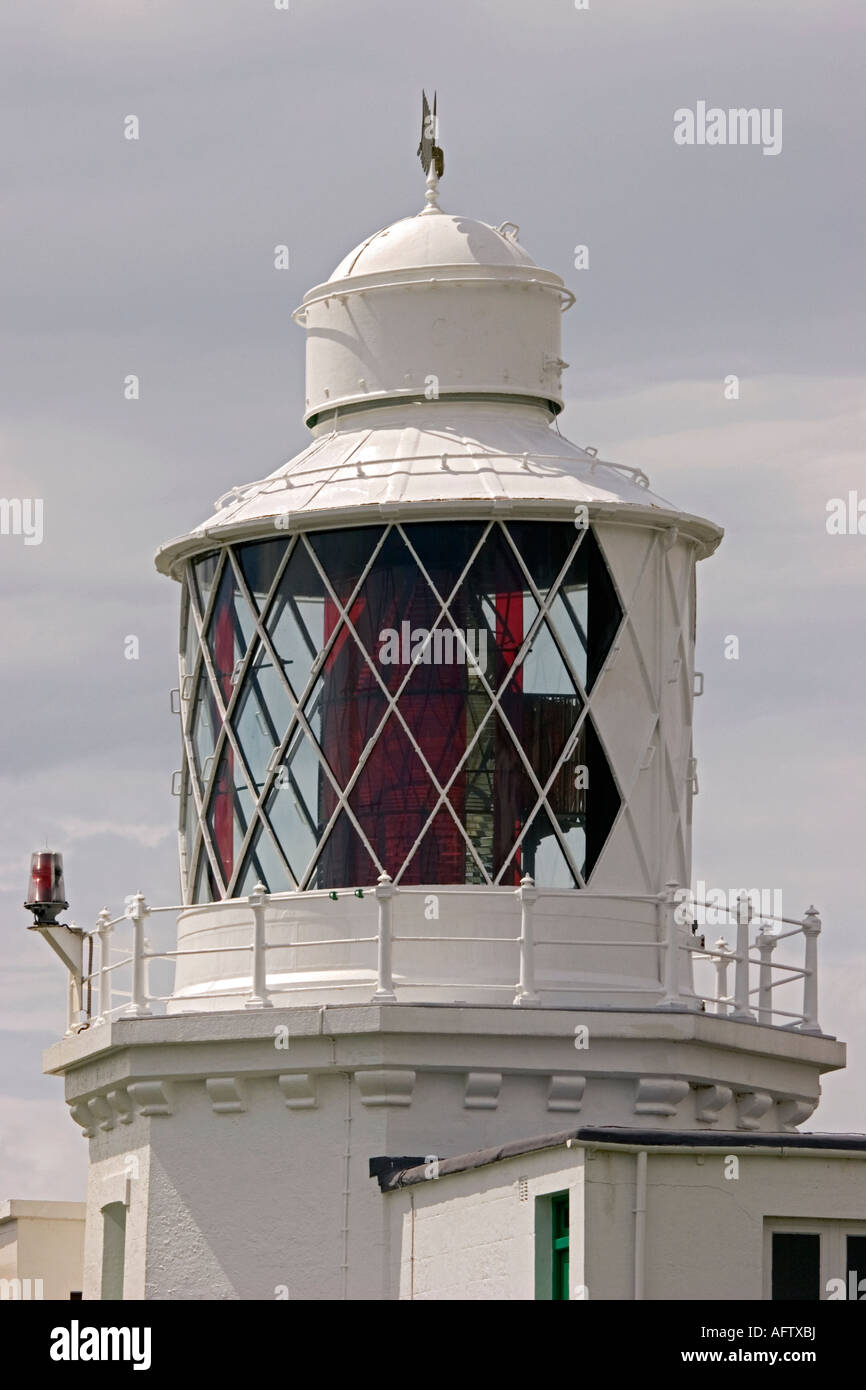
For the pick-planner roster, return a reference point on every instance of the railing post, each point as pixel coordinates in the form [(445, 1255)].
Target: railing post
[(766, 942), (527, 894), (138, 1006), (722, 962), (811, 931), (741, 968), (74, 999), (669, 938), (103, 933), (258, 996), (385, 891)]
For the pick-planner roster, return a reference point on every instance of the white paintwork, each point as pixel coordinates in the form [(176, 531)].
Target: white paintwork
[(434, 302), (469, 1236), (433, 459), (43, 1241), (231, 1151)]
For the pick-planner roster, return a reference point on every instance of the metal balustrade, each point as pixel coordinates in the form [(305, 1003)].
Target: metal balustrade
[(756, 974)]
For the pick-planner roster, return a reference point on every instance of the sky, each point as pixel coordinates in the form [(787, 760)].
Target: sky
[(260, 127)]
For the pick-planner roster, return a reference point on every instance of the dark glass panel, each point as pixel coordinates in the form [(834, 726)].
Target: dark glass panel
[(444, 701), (601, 798), (796, 1272), (344, 710), (442, 856), (855, 1268), (259, 562), (392, 799), (444, 550), (343, 555), (344, 861), (544, 549)]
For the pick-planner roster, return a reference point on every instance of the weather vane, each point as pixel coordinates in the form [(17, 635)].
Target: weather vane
[(429, 152)]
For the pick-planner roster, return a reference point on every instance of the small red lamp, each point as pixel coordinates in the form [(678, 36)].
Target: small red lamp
[(46, 891)]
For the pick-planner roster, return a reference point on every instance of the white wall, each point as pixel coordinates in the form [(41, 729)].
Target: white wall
[(470, 1236), (45, 1241)]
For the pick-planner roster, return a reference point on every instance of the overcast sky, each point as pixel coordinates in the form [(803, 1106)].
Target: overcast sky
[(155, 257)]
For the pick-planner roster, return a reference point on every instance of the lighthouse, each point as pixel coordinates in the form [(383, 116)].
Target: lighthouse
[(435, 698)]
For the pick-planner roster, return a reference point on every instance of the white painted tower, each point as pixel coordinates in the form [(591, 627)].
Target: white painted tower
[(436, 691)]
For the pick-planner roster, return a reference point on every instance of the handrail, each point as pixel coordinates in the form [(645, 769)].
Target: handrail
[(751, 958)]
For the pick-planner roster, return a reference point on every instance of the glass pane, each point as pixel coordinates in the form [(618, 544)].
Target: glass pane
[(190, 640), (393, 798), (229, 811), (586, 613), (204, 572), (205, 726), (542, 857), (300, 618), (344, 861), (444, 700), (262, 716), (345, 708), (444, 550), (343, 556), (499, 797), (259, 562), (229, 632), (263, 864), (544, 671), (206, 887), (190, 828), (796, 1272), (294, 804), (442, 856)]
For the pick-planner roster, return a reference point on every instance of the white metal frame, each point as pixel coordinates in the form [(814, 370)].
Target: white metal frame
[(199, 683)]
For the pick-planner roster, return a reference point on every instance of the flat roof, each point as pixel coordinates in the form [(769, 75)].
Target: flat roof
[(14, 1208), (394, 1173)]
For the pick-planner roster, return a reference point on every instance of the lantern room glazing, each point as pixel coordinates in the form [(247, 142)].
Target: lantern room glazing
[(413, 699)]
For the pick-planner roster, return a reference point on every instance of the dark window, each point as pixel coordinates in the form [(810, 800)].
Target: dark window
[(856, 1267), (796, 1267), (559, 1230)]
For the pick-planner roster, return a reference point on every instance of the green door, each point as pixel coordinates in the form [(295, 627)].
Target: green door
[(559, 1283)]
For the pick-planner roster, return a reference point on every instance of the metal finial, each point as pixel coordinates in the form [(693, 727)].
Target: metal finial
[(431, 197), (430, 153)]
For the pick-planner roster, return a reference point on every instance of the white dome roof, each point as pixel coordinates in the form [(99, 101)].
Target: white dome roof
[(434, 303), (433, 238)]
